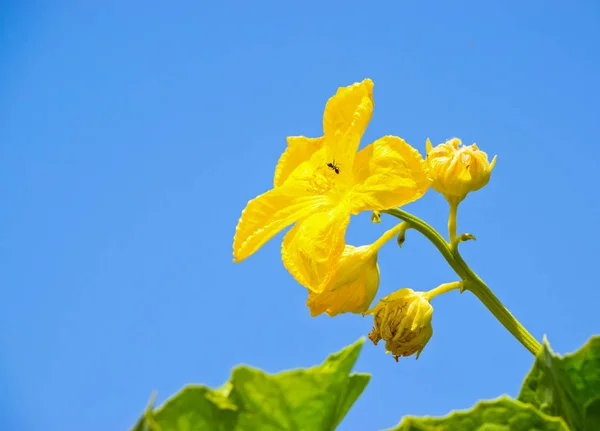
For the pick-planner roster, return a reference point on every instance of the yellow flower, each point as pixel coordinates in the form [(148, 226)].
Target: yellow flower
[(320, 182), (352, 283), (457, 170), (403, 321)]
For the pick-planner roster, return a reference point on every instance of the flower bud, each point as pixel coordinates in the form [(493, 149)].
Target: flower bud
[(403, 321), (457, 170), (351, 285), (376, 217)]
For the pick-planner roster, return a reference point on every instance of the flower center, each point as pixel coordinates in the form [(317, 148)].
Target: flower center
[(323, 179)]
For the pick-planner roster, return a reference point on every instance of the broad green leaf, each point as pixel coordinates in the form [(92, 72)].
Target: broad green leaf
[(502, 414), (312, 399), (193, 408), (567, 386)]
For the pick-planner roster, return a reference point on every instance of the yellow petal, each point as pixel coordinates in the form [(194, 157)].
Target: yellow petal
[(352, 286), (311, 248), (271, 212), (388, 173), (428, 146), (346, 117), (299, 150)]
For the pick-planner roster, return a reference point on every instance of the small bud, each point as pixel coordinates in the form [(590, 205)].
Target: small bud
[(351, 284), (466, 237), (376, 217), (403, 321), (456, 170), (401, 238)]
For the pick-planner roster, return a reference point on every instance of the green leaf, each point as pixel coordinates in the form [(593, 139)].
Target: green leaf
[(193, 408), (567, 386), (313, 399), (502, 414), (304, 399), (592, 415)]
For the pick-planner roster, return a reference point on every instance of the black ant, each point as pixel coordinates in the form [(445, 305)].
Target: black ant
[(333, 166)]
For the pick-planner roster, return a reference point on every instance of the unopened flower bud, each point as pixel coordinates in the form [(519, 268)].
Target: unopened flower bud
[(456, 170), (403, 321)]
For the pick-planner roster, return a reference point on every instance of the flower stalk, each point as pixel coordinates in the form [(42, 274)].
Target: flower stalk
[(399, 229), (452, 224), (471, 281), (443, 288)]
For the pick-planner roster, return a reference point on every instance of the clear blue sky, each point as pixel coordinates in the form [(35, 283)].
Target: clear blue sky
[(132, 135)]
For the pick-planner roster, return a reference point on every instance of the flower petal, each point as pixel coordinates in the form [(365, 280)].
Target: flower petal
[(346, 117), (352, 297), (352, 287), (388, 173), (299, 150), (271, 212), (311, 248)]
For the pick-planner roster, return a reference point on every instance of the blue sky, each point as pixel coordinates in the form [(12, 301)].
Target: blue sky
[(132, 135)]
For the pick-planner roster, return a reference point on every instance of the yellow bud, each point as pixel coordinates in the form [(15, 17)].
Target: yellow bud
[(403, 321), (456, 170), (350, 286)]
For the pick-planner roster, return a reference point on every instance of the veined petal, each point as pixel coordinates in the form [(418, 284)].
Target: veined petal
[(354, 297), (341, 109), (388, 173), (299, 150), (346, 117), (312, 247), (271, 212), (352, 286)]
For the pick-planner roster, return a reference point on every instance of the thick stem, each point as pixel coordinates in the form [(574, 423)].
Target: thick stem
[(491, 301), (471, 280)]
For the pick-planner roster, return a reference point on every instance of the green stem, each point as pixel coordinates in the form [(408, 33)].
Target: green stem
[(429, 232), (471, 280), (491, 301)]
